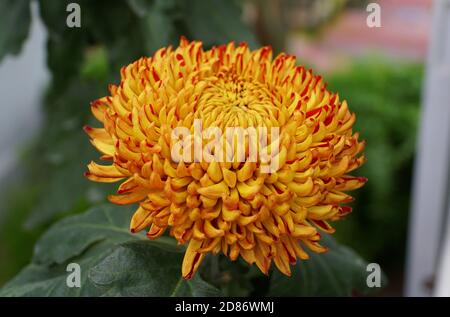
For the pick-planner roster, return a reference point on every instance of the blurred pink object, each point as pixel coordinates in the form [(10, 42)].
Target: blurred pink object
[(403, 35)]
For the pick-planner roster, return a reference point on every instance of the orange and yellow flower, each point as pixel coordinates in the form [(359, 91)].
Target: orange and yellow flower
[(228, 207)]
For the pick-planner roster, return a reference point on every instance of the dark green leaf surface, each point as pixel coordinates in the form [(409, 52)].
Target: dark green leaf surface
[(113, 261), (135, 269), (71, 236), (338, 272), (14, 25), (222, 25)]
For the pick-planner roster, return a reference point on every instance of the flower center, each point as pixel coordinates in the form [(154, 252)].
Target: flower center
[(237, 103)]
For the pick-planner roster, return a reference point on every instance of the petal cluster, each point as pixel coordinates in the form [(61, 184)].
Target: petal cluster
[(228, 206)]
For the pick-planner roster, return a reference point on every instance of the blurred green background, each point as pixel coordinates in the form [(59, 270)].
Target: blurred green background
[(381, 81)]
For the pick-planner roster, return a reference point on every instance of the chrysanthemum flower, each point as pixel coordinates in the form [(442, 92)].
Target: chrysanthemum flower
[(229, 207)]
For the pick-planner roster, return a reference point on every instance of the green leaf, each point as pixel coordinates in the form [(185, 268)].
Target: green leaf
[(65, 188), (156, 19), (65, 45), (141, 7), (216, 22), (81, 231), (15, 21), (96, 65), (135, 269), (338, 272), (158, 29), (113, 261)]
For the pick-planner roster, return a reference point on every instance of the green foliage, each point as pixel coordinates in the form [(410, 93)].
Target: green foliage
[(113, 261), (11, 36), (386, 99), (16, 242), (339, 272), (220, 27)]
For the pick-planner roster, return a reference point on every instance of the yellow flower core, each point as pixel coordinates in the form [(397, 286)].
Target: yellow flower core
[(228, 206)]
